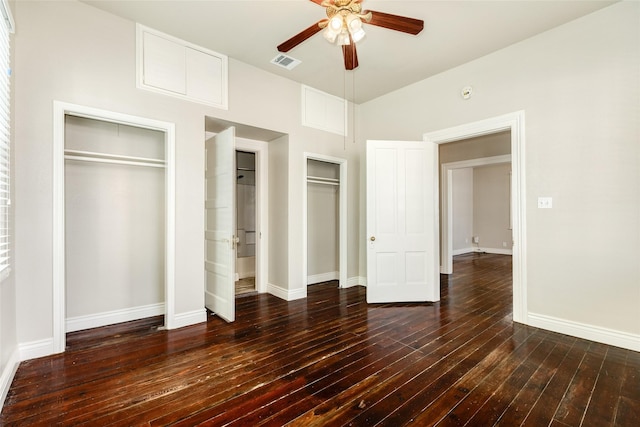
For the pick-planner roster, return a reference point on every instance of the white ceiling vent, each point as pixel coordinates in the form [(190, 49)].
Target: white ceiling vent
[(285, 61)]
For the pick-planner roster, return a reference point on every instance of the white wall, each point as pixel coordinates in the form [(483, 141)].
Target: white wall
[(72, 52), (491, 207), (578, 85), (462, 210)]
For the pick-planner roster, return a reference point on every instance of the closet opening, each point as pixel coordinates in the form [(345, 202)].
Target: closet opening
[(324, 220), (114, 220), (114, 223)]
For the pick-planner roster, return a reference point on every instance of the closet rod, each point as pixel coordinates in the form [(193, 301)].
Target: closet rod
[(113, 161), (315, 181), (322, 178), (91, 156)]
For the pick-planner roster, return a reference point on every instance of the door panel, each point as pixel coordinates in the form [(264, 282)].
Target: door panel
[(402, 222), (220, 240)]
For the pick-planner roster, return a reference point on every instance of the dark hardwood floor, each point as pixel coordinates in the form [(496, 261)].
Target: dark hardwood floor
[(332, 359)]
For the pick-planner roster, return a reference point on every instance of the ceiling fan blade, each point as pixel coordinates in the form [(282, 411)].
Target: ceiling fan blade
[(396, 22), (350, 56), (300, 37)]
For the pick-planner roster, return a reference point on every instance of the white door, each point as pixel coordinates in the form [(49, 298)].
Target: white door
[(402, 222), (220, 240)]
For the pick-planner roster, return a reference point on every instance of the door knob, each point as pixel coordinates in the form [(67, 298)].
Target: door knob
[(372, 238)]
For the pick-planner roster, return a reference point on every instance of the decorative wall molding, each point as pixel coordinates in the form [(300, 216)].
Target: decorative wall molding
[(110, 317), (589, 332)]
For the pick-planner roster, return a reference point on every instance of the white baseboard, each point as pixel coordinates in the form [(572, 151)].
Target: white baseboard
[(355, 281), (35, 349), (463, 251), (189, 318), (498, 251), (7, 375), (323, 277), (111, 317), (286, 294), (588, 332)]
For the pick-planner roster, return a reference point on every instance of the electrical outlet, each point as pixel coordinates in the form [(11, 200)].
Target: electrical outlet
[(545, 202), (476, 239)]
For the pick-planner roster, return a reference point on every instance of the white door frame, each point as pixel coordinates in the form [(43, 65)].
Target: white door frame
[(261, 150), (446, 177), (515, 123), (60, 110), (342, 221)]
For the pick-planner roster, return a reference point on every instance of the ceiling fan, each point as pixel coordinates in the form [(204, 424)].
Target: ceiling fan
[(343, 26)]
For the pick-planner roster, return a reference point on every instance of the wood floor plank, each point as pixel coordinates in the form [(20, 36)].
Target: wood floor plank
[(573, 406), (333, 359)]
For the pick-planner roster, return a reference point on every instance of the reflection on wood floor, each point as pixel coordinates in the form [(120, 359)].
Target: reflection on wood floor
[(246, 286), (331, 359)]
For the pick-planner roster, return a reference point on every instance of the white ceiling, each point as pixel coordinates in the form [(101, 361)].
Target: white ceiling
[(455, 32)]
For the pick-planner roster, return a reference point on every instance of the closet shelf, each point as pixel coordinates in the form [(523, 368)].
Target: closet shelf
[(92, 156)]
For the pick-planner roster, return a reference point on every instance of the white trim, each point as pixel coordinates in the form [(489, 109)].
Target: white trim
[(323, 277), (515, 123), (447, 200), (356, 281), (286, 294), (140, 83), (60, 110), (97, 320), (35, 349), (8, 373), (261, 150), (498, 251), (589, 332), (190, 318), (342, 221), (458, 252)]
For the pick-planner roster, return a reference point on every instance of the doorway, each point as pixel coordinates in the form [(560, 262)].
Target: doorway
[(514, 123), (330, 173), (460, 163), (245, 283), (61, 112)]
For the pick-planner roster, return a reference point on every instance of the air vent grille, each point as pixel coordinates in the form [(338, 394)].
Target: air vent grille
[(285, 61)]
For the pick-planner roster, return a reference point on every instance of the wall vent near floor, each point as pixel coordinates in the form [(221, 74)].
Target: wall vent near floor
[(285, 61)]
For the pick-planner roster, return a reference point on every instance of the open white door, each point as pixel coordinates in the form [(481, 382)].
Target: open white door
[(220, 240), (402, 222)]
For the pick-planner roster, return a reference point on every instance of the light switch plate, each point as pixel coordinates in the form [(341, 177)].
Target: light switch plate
[(545, 202)]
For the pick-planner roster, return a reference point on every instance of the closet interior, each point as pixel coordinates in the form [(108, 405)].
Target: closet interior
[(323, 211), (114, 222)]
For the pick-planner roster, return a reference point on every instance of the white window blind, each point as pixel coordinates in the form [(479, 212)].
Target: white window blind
[(6, 27)]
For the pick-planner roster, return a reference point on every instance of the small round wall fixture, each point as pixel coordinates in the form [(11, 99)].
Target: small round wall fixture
[(466, 92)]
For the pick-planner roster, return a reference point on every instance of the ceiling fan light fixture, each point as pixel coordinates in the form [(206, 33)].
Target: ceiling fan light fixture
[(343, 38), (330, 35), (354, 25), (357, 35), (336, 23)]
